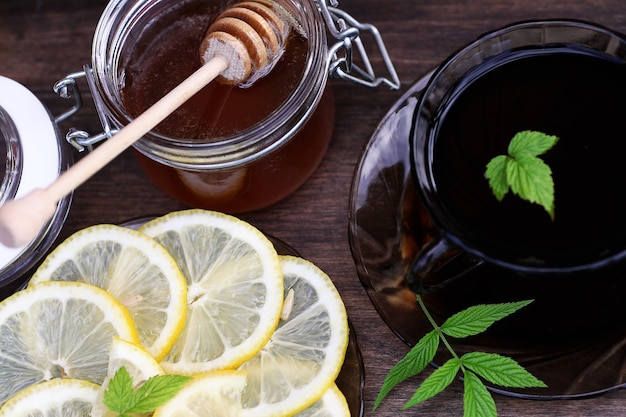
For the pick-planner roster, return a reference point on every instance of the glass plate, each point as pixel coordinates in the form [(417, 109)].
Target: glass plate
[(351, 379), (385, 233)]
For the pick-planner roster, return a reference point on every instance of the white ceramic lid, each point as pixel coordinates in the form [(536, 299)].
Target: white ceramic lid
[(40, 152)]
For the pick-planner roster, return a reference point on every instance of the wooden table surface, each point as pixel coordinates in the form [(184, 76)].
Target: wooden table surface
[(43, 40)]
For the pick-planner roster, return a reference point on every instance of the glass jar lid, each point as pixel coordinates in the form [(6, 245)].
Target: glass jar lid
[(33, 158)]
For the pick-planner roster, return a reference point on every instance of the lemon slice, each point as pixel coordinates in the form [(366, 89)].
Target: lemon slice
[(136, 270), (306, 352), (235, 288), (332, 404), (58, 330), (138, 362), (214, 394), (60, 397)]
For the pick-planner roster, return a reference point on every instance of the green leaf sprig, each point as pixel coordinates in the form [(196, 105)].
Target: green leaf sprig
[(494, 368), (523, 172), (120, 397)]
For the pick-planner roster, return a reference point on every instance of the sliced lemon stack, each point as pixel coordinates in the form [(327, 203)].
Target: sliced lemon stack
[(133, 268), (195, 293), (306, 351), (60, 397), (58, 330), (235, 288)]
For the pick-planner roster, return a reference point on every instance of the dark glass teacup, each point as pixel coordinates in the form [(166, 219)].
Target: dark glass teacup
[(562, 78)]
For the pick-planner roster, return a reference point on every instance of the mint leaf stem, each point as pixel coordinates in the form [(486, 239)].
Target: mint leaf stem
[(497, 369), (433, 323)]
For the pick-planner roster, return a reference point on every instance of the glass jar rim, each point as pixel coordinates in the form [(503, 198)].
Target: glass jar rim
[(113, 32)]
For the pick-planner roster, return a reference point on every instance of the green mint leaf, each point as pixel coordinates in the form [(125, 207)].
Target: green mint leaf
[(477, 401), (412, 364), (120, 396), (531, 142), (500, 370), (531, 179), (523, 172), (436, 382), (119, 392), (155, 392), (496, 174), (494, 368), (477, 319)]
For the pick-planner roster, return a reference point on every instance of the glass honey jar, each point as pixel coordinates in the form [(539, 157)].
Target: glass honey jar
[(229, 148)]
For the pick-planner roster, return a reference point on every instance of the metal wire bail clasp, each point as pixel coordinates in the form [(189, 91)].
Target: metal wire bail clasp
[(68, 89), (342, 62)]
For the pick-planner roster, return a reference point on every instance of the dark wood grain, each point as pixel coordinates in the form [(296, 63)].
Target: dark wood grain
[(43, 40)]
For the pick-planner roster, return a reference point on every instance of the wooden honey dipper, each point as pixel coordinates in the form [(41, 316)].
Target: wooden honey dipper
[(239, 47)]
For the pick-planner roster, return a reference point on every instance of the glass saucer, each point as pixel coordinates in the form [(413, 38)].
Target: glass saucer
[(385, 232), (351, 379)]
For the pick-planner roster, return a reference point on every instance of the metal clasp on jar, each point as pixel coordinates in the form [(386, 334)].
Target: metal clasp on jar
[(68, 89), (348, 31)]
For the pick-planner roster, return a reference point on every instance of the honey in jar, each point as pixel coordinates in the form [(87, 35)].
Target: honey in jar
[(229, 148)]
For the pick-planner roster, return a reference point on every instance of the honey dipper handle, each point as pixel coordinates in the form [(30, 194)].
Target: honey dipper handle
[(21, 219)]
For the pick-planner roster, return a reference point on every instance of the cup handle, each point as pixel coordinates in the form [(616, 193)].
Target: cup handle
[(437, 264)]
